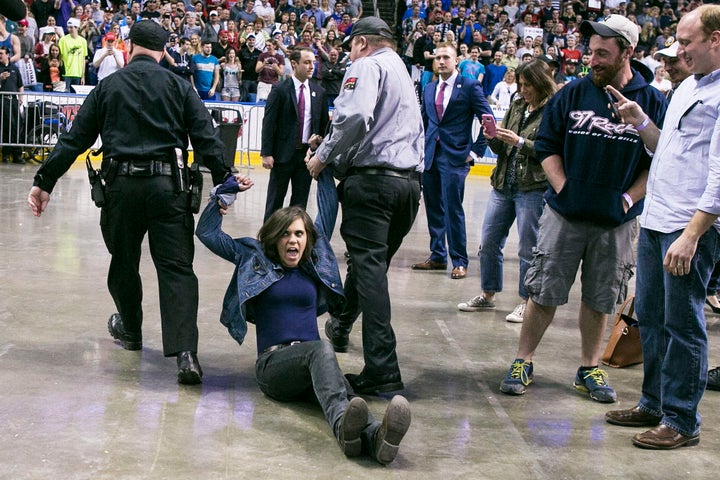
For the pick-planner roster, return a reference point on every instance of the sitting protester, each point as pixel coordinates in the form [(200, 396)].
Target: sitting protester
[(282, 282)]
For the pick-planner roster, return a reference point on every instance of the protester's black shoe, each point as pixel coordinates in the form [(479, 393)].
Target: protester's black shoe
[(374, 385), (395, 425), (129, 341), (189, 371), (352, 422), (337, 336)]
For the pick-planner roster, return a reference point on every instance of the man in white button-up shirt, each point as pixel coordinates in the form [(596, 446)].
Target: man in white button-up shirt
[(679, 242)]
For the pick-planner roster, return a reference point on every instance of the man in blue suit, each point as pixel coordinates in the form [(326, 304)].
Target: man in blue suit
[(449, 106)]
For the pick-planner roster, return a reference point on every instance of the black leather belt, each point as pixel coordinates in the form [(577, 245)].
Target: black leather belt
[(144, 168), (280, 346), (388, 172)]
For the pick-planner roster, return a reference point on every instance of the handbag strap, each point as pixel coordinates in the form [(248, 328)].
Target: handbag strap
[(628, 304)]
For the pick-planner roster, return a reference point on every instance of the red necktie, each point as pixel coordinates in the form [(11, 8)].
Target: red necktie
[(439, 100), (301, 114)]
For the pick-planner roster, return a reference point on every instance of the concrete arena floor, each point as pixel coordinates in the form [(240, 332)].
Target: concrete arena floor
[(74, 405)]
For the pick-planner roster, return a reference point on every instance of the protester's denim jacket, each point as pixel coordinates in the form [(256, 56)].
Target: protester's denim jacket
[(254, 272)]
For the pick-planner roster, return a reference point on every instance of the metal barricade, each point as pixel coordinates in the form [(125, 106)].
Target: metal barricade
[(33, 121)]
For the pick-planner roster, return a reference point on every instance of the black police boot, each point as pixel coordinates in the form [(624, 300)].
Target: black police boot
[(338, 336), (189, 371), (129, 341)]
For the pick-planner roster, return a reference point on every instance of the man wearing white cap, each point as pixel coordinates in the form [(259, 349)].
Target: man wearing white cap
[(596, 167), (679, 242), (74, 50), (675, 66)]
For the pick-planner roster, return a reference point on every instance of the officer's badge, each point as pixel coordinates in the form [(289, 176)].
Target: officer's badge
[(669, 41), (350, 83)]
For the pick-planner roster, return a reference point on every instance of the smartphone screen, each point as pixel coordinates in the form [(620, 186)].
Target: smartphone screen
[(488, 122)]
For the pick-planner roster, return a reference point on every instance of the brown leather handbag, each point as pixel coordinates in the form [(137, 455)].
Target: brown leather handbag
[(624, 347)]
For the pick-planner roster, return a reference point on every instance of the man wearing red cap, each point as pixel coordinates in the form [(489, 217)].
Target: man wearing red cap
[(108, 59)]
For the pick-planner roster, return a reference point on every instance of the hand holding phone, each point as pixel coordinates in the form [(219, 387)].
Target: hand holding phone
[(488, 123)]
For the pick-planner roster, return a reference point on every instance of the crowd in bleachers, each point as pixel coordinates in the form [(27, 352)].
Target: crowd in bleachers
[(509, 32), (80, 42)]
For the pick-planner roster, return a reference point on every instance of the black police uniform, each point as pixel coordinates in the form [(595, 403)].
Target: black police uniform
[(140, 128)]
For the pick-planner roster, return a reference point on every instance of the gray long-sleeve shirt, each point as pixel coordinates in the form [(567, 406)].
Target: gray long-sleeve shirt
[(377, 121)]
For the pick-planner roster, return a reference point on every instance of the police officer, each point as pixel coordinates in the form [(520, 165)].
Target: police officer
[(146, 190), (376, 145)]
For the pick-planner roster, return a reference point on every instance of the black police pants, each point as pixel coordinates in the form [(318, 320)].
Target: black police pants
[(135, 206), (377, 212)]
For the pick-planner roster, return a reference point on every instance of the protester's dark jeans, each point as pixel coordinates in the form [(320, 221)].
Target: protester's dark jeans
[(298, 371)]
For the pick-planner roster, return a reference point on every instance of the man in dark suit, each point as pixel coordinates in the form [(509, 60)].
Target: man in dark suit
[(290, 120), (449, 106)]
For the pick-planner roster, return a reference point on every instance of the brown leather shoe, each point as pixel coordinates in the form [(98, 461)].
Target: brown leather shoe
[(632, 417), (458, 273), (663, 437), (429, 265)]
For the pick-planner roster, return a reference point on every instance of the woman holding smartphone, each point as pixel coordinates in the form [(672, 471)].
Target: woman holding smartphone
[(518, 183)]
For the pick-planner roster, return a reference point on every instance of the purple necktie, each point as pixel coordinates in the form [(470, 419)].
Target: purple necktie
[(439, 100), (301, 114)]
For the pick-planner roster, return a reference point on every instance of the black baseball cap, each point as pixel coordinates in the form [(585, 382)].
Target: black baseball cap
[(148, 34), (369, 26)]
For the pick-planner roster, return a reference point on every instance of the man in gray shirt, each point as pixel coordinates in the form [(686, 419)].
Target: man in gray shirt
[(376, 148)]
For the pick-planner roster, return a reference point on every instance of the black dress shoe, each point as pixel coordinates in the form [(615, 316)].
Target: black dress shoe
[(374, 385), (189, 371), (632, 417), (337, 336), (663, 437), (129, 341)]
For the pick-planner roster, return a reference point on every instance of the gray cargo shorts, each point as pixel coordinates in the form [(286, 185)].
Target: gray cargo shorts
[(606, 254)]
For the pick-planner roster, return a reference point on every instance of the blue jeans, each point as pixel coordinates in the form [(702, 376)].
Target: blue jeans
[(672, 329), (504, 206), (425, 78)]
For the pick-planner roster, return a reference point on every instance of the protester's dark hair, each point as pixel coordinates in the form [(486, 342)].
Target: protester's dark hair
[(275, 227)]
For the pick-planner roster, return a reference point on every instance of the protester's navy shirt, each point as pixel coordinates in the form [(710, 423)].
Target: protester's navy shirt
[(287, 310), (601, 156)]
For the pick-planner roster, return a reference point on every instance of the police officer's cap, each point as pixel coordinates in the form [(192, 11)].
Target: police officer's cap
[(369, 26), (148, 34)]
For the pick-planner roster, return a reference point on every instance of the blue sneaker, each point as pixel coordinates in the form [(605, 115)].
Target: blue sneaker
[(518, 377), (593, 382)]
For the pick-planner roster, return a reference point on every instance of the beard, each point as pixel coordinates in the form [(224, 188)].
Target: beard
[(602, 76)]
